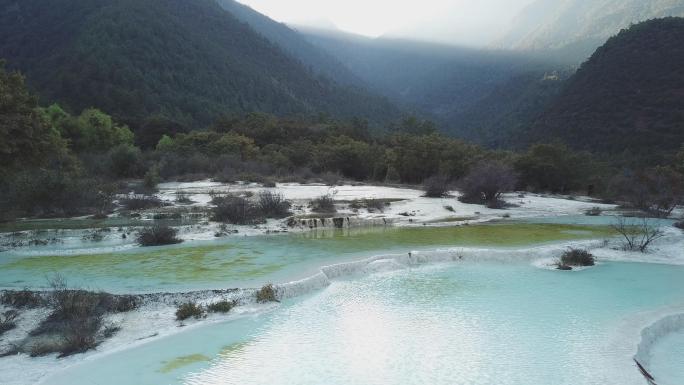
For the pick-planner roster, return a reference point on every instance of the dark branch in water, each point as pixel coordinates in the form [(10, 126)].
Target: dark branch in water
[(649, 378)]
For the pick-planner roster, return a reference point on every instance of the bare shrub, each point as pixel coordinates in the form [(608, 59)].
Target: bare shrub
[(110, 330), (436, 187), (593, 212), (679, 225), (637, 236), (224, 306), (8, 321), (656, 191), (189, 309), (141, 202), (267, 294), (80, 335), (486, 183), (235, 210), (158, 235), (273, 205), (76, 318), (371, 204), (21, 299), (324, 204), (577, 257), (183, 198)]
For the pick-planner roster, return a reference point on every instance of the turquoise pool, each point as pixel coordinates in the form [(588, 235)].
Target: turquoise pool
[(253, 261), (482, 323)]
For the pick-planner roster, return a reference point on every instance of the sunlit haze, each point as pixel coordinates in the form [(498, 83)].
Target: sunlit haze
[(455, 21)]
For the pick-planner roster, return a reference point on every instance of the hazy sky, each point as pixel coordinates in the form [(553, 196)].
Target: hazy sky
[(458, 21)]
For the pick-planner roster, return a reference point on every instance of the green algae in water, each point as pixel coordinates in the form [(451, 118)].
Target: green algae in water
[(251, 260), (185, 264), (180, 362), (494, 235)]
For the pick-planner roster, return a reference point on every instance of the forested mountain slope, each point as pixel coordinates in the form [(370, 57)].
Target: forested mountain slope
[(189, 60), (293, 43), (629, 96)]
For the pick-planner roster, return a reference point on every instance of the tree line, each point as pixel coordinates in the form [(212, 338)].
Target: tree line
[(54, 163)]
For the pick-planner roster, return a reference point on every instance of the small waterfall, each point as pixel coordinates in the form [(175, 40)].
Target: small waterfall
[(337, 222)]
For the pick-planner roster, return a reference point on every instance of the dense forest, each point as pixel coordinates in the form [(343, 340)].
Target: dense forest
[(55, 163), (181, 90), (190, 61), (628, 97)]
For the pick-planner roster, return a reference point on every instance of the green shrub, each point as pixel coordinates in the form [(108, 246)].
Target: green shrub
[(221, 307), (188, 310), (577, 257), (267, 294), (158, 235), (151, 179), (125, 161)]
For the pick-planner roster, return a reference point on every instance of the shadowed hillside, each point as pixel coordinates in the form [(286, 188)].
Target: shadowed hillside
[(189, 60), (628, 96)]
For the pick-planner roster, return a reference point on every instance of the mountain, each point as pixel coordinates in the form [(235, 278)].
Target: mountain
[(629, 96), (293, 44), (510, 108), (437, 79), (189, 60), (580, 26)]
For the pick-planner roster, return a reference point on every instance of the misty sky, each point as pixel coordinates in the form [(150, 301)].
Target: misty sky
[(473, 22)]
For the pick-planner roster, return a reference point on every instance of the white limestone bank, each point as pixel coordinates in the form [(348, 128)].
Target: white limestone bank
[(651, 335)]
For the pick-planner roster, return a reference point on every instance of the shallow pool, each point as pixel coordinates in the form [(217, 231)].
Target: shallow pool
[(459, 323), (667, 359), (253, 261)]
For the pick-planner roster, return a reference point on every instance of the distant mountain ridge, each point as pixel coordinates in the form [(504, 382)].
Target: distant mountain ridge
[(582, 25), (436, 79), (189, 60), (292, 43)]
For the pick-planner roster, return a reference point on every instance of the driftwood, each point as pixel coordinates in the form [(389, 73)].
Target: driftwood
[(649, 378)]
